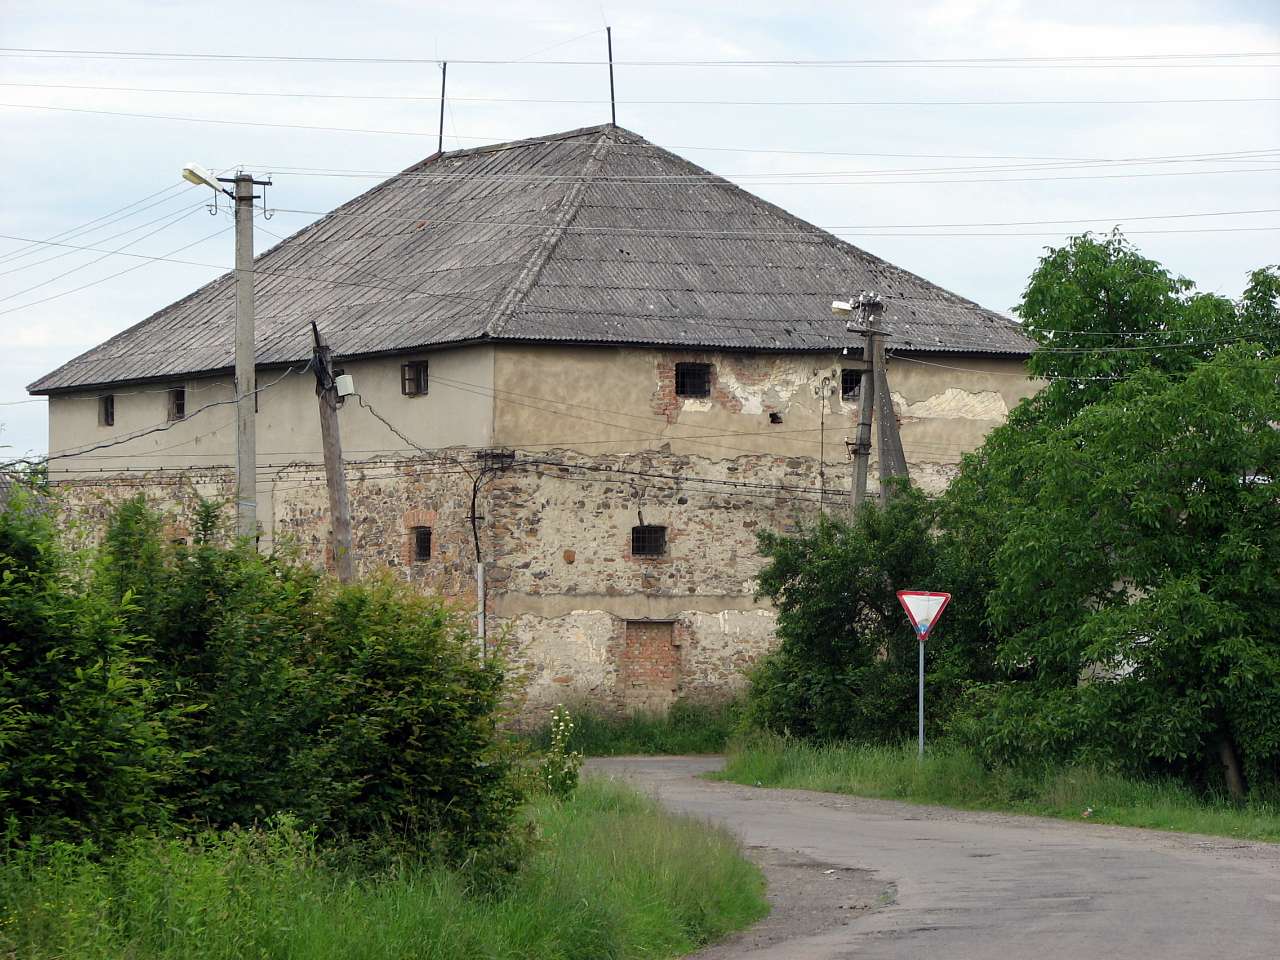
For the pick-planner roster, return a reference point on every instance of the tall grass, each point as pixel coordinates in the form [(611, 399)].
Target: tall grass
[(685, 728), (611, 876), (951, 776)]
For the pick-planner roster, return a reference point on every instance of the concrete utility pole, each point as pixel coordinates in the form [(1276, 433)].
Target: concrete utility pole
[(874, 396), (246, 385), (870, 307), (331, 443), (246, 373), (893, 461)]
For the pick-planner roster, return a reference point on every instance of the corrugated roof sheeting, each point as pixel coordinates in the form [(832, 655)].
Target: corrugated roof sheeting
[(636, 246)]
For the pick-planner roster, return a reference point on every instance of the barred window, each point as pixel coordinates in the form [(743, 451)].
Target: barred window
[(693, 379), (413, 378), (850, 384), (107, 410), (178, 403), (421, 543), (648, 541)]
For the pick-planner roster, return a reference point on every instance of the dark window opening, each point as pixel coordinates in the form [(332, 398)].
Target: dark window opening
[(413, 378), (178, 403), (775, 417), (693, 379), (850, 384), (107, 411), (648, 541), (421, 544)]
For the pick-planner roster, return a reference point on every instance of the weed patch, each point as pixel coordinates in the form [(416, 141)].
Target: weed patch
[(609, 874)]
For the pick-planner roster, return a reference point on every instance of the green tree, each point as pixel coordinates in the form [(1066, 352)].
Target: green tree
[(1146, 555), (1101, 311)]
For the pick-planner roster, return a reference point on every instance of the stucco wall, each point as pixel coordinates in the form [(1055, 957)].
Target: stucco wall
[(457, 410), (602, 444), (604, 400)]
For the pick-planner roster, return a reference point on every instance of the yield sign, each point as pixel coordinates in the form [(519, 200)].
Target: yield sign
[(924, 609)]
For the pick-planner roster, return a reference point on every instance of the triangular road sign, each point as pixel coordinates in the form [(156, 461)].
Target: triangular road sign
[(924, 609)]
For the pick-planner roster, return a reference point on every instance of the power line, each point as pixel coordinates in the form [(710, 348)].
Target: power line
[(158, 428), (108, 239), (758, 233), (168, 258), (421, 133), (409, 98), (84, 266), (1144, 61), (34, 246), (705, 177)]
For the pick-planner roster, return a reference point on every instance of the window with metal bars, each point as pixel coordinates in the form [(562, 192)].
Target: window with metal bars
[(178, 403), (850, 384), (413, 378), (107, 410), (648, 541), (693, 379), (421, 543)]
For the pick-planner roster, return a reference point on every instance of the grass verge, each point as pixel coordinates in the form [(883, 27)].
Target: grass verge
[(952, 777), (612, 876), (686, 728)]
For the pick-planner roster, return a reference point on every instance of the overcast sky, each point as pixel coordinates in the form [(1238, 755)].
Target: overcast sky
[(61, 168)]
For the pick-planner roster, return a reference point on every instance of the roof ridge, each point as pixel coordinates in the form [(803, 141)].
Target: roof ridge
[(550, 239), (517, 144)]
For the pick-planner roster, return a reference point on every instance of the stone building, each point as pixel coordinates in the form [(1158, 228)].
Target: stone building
[(595, 365)]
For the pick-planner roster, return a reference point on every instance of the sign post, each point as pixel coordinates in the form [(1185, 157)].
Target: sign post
[(923, 610)]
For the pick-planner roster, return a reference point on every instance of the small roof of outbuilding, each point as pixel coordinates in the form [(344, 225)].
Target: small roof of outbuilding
[(594, 236)]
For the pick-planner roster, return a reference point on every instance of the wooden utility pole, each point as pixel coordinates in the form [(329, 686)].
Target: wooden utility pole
[(246, 380), (331, 442)]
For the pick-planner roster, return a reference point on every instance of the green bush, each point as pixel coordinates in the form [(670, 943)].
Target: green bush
[(84, 742), (846, 666), (266, 689)]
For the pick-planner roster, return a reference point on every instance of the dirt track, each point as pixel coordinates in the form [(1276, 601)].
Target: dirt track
[(873, 879)]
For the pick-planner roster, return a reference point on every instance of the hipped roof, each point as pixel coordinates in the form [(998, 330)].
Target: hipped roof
[(594, 236)]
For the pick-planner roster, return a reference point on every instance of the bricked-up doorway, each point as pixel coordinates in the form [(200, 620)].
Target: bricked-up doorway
[(649, 669)]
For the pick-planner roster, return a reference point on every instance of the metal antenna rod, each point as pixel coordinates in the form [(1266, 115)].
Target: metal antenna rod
[(613, 104), (444, 73)]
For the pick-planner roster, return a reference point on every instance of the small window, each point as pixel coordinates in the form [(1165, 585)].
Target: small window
[(421, 543), (648, 541), (413, 378), (693, 379), (107, 410), (178, 403), (850, 384)]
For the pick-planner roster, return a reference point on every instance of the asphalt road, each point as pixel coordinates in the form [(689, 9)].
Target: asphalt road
[(977, 886)]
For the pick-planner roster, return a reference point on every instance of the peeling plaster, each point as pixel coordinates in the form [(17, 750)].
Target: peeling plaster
[(954, 403)]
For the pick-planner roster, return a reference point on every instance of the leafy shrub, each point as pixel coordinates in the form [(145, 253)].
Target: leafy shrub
[(360, 709), (84, 746), (420, 709)]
